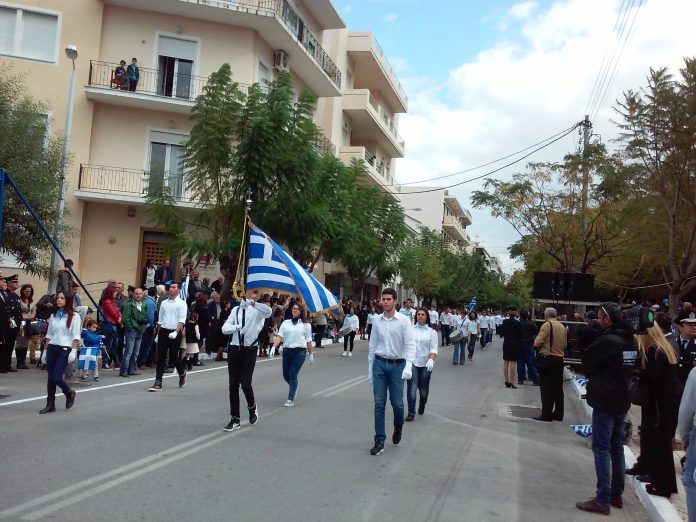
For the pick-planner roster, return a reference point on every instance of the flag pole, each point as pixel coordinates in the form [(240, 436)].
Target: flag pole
[(239, 276)]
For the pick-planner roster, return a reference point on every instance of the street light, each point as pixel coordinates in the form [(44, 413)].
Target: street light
[(71, 54)]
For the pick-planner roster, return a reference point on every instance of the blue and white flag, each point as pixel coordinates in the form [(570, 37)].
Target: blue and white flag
[(183, 288), (583, 430), (472, 304), (88, 358), (582, 381), (271, 269)]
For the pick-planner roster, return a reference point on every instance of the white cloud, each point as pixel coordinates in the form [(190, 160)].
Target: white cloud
[(399, 64), (517, 93), (391, 17), (520, 11)]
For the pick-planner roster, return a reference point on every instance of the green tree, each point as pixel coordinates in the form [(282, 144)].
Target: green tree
[(33, 158), (421, 264)]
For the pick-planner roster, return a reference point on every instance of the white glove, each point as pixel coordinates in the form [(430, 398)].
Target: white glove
[(429, 365), (406, 374), (172, 335), (369, 373), (311, 358)]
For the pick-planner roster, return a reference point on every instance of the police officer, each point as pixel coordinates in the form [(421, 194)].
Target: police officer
[(686, 341), (14, 310), (5, 346)]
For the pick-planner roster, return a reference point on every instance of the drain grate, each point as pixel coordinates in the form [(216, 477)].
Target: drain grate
[(523, 412)]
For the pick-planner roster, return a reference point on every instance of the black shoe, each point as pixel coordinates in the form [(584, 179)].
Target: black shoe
[(557, 418), (396, 436), (12, 370), (377, 449), (410, 417), (635, 470), (592, 506), (542, 418), (70, 399), (643, 478), (50, 406), (421, 408), (616, 502), (233, 425), (520, 383), (253, 415), (182, 380)]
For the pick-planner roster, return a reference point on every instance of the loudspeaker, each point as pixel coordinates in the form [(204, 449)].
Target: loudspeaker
[(562, 286)]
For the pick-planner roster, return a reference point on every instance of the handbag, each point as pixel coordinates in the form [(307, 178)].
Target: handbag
[(37, 327), (640, 396)]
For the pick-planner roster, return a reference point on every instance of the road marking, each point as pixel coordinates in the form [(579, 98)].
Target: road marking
[(125, 383), (344, 388), (162, 458)]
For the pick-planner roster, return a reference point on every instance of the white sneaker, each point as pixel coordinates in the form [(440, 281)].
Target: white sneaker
[(289, 403), (344, 354), (350, 354)]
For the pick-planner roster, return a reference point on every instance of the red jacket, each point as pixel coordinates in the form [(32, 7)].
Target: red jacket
[(111, 313)]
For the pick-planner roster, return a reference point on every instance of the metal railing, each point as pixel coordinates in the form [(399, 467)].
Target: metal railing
[(131, 182), (370, 158), (324, 145), (292, 21), (154, 82), (401, 89), (387, 119)]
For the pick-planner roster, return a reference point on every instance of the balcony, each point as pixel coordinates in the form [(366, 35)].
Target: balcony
[(371, 122), (275, 21), (324, 145), (457, 210), (115, 184), (373, 71), (379, 173), (454, 229)]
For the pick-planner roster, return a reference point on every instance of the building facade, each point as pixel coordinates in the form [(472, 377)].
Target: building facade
[(127, 137)]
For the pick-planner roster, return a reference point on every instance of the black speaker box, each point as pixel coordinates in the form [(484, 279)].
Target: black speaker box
[(562, 286)]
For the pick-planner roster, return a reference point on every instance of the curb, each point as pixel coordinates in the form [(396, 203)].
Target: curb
[(659, 509)]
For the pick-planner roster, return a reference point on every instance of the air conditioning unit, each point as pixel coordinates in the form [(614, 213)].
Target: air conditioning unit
[(280, 61)]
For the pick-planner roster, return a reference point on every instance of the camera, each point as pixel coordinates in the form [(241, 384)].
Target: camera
[(639, 318)]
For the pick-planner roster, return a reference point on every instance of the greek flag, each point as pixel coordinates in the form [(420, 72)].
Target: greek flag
[(582, 381), (88, 359), (183, 288), (472, 304), (583, 430), (271, 269)]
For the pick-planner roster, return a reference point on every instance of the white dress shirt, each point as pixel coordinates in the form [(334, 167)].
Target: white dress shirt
[(295, 335), (410, 313), (432, 314), (58, 332), (426, 343), (392, 339), (446, 318), (469, 327), (483, 321), (457, 322), (371, 317), (253, 318), (491, 322), (172, 312)]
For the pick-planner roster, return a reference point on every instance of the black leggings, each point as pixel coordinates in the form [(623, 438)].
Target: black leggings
[(346, 338)]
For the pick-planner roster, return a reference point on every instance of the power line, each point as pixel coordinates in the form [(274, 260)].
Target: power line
[(490, 162), (643, 287), (571, 129)]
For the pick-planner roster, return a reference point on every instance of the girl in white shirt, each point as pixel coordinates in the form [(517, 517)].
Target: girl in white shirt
[(296, 336), (64, 333), (472, 331), (426, 353), (351, 321)]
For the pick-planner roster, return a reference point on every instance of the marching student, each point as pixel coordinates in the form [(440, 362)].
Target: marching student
[(457, 324), (296, 336), (350, 321), (370, 320), (433, 316), (170, 325), (408, 310), (483, 325), (472, 331), (193, 336), (390, 360), (446, 325), (243, 326), (425, 338)]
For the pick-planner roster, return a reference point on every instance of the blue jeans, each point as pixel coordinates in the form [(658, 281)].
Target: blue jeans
[(526, 358), (688, 478), (607, 446), (445, 328), (129, 364), (489, 337), (387, 376), (484, 337), (471, 345), (421, 382), (146, 345), (111, 340), (293, 359), (458, 353), (56, 363)]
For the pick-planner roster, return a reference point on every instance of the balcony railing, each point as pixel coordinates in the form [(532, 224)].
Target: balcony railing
[(292, 21), (118, 181), (387, 119), (324, 145), (401, 89)]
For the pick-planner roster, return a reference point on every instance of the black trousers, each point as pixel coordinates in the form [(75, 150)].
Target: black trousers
[(165, 346), (6, 349), (240, 369), (321, 328), (348, 339), (551, 384)]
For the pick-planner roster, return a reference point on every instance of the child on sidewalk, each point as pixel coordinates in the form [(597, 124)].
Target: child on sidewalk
[(91, 340), (193, 335)]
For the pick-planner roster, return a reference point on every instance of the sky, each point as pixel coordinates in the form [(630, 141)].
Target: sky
[(486, 79)]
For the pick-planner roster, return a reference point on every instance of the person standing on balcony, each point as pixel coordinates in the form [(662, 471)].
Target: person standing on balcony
[(133, 75), (120, 76)]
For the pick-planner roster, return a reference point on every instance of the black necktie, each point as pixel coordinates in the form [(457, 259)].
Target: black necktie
[(241, 336)]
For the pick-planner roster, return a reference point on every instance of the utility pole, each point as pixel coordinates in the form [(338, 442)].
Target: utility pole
[(586, 128)]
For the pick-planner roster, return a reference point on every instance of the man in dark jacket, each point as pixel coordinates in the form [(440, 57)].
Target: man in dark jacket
[(588, 333), (164, 273), (607, 393)]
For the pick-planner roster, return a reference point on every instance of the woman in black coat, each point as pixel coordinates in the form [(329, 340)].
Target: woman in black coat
[(660, 392), (510, 330)]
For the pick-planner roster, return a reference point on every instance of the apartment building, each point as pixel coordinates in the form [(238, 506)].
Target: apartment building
[(125, 139)]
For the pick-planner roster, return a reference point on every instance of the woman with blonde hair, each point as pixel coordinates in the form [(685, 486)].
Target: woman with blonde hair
[(659, 395)]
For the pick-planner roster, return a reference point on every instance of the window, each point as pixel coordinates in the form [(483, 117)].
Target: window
[(28, 34), (175, 67), (265, 76), (166, 152)]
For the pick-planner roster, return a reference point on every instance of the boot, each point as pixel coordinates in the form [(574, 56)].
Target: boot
[(69, 399), (219, 355), (50, 406), (21, 358)]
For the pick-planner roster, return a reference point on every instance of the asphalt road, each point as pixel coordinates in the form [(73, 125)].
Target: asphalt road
[(125, 454)]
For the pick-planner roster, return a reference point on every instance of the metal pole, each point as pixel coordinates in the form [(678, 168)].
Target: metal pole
[(53, 279), (2, 200), (586, 127)]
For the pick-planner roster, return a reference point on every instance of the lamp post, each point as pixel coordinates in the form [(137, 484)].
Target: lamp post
[(71, 53)]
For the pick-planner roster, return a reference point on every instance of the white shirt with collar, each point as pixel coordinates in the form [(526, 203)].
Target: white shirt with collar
[(483, 321), (392, 339), (58, 332), (410, 313), (491, 322), (469, 327), (446, 318), (426, 343), (253, 318), (295, 335), (172, 312), (432, 314)]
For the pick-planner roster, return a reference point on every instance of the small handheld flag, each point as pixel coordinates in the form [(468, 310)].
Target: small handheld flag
[(88, 359)]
